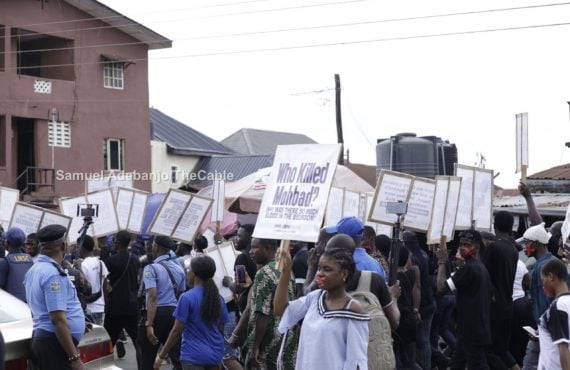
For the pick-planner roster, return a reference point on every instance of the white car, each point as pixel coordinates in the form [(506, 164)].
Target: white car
[(95, 348)]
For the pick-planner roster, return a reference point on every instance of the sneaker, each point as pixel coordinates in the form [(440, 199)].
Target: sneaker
[(120, 349)]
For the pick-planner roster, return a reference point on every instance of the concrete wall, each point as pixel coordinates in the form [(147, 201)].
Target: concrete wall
[(162, 162)]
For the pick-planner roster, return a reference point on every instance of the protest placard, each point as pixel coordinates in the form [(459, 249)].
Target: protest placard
[(351, 204), (130, 205), (224, 256), (68, 206), (566, 225), (453, 191), (30, 218), (483, 199), (420, 205), (391, 187), (297, 192), (522, 144), (8, 199), (334, 206), (180, 215), (113, 181), (438, 212), (378, 228), (464, 219), (218, 208)]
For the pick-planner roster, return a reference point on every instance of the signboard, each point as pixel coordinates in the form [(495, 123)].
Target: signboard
[(334, 206), (113, 182), (391, 187), (464, 217), (8, 199), (438, 212), (297, 192), (30, 218), (451, 207), (180, 215), (522, 141), (218, 193), (130, 205), (483, 199), (420, 205), (224, 255), (378, 228), (351, 204)]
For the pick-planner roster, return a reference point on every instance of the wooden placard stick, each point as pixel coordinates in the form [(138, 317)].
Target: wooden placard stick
[(443, 242), (283, 248), (523, 173)]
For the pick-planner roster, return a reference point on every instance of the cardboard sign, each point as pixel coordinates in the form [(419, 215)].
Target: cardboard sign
[(379, 228), (224, 255), (420, 205), (113, 182), (483, 199), (30, 218), (391, 187), (8, 199), (218, 193), (451, 207), (297, 192), (438, 213), (464, 217), (351, 204), (522, 141), (180, 215), (130, 205)]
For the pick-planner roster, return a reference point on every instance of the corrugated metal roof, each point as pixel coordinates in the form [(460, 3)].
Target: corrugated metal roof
[(262, 142), (561, 172), (237, 165), (183, 139), (547, 204)]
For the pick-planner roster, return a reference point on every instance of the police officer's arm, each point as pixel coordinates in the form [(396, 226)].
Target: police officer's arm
[(150, 311), (63, 334)]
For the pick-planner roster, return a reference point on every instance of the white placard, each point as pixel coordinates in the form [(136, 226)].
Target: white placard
[(54, 218), (297, 192), (566, 225), (351, 204), (218, 193), (68, 206), (464, 218), (106, 223), (451, 207), (169, 213), (123, 206), (391, 187), (191, 219), (8, 199), (334, 206), (138, 207), (379, 228), (224, 257), (26, 217), (521, 140), (362, 207), (438, 212), (420, 205), (483, 199)]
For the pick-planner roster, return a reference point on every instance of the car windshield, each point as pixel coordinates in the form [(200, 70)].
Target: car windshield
[(11, 308)]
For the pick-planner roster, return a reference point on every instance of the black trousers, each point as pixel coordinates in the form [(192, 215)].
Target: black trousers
[(163, 323), (469, 356), (115, 323), (49, 354)]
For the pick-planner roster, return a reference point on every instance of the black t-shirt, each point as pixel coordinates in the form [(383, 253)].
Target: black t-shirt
[(123, 298), (500, 259), (378, 287), (251, 268), (300, 265), (407, 328), (474, 295)]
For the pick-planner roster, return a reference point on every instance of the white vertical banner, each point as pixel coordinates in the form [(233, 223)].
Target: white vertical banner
[(297, 192), (521, 140), (464, 218), (219, 195), (438, 213), (483, 199), (451, 207)]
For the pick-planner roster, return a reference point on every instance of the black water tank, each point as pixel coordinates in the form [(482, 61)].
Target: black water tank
[(447, 157), (408, 153)]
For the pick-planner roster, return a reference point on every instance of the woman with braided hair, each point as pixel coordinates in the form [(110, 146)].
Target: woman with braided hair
[(331, 318), (200, 316)]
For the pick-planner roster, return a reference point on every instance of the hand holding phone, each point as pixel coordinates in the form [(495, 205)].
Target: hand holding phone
[(240, 274), (531, 331)]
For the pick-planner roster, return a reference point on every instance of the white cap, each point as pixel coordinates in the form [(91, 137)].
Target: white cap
[(537, 233)]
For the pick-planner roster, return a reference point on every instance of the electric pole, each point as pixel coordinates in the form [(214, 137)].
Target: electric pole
[(339, 118)]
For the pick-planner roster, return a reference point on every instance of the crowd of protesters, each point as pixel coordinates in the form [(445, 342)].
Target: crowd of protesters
[(482, 301)]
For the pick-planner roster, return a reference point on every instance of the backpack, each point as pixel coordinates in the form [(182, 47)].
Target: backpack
[(380, 351)]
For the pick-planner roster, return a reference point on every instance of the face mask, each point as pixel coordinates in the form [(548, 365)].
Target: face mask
[(468, 252), (548, 291), (320, 281)]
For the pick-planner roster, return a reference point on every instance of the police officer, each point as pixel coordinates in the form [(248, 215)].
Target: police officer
[(164, 281), (59, 322), (14, 266)]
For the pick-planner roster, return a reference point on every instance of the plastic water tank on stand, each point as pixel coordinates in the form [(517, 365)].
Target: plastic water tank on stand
[(407, 153)]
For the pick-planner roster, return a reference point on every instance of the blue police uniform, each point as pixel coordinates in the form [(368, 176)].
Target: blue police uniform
[(156, 275), (49, 289), (13, 268)]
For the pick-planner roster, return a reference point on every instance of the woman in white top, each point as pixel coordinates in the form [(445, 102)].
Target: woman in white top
[(332, 320)]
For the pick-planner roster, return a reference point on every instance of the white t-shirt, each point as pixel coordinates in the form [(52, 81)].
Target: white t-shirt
[(518, 291), (90, 268), (553, 329)]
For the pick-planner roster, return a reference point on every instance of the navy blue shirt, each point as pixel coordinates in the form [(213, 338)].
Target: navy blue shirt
[(13, 268), (156, 276)]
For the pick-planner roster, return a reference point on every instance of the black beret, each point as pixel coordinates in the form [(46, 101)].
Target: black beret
[(163, 241), (51, 233)]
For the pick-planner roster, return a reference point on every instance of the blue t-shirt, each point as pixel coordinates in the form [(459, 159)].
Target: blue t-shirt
[(366, 263), (202, 343)]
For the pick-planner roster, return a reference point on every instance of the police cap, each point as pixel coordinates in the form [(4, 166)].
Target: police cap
[(51, 233)]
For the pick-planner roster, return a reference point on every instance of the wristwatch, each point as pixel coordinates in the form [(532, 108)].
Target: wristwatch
[(74, 358)]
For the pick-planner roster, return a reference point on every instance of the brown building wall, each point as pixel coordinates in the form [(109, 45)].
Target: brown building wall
[(95, 112)]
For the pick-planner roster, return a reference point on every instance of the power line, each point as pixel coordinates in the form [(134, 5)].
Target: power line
[(308, 46), (306, 28)]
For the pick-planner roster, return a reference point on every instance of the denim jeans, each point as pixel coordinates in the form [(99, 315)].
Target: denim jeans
[(441, 320), (530, 361), (423, 339)]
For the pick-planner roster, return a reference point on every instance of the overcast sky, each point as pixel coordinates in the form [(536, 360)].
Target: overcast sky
[(397, 76)]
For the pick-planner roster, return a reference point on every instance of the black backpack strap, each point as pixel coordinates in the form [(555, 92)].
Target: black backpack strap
[(172, 282)]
